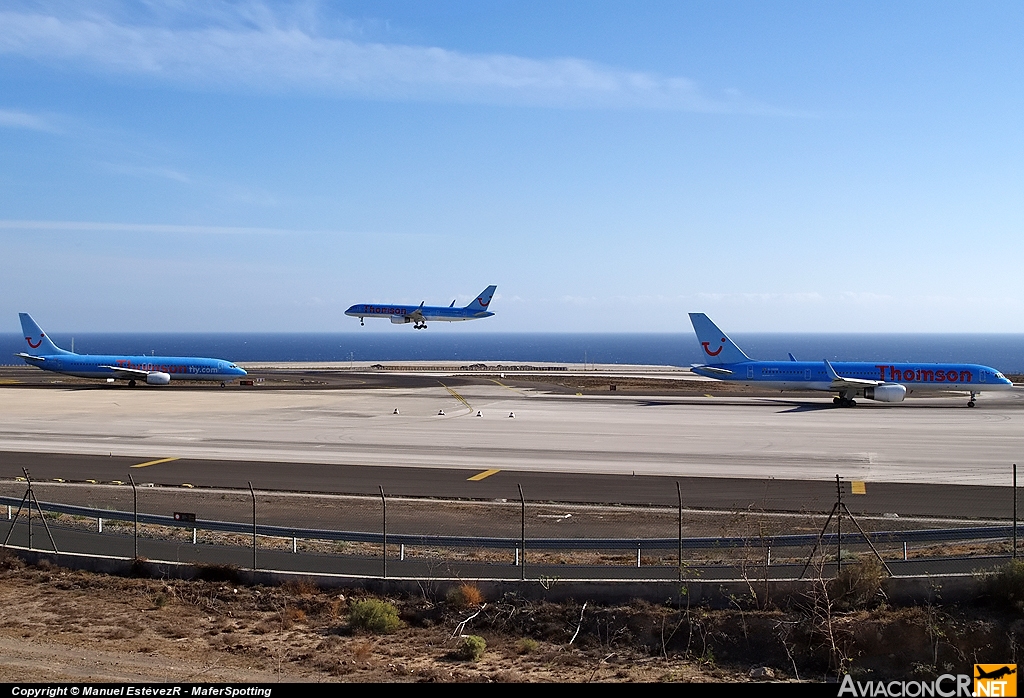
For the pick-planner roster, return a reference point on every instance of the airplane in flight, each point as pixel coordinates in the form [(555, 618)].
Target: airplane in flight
[(154, 370), (419, 314), (875, 380)]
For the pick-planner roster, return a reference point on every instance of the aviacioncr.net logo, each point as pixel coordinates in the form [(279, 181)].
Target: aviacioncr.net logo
[(995, 680), (945, 686)]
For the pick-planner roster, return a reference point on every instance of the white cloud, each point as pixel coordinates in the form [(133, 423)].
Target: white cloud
[(160, 172), (254, 49), (158, 228), (10, 118)]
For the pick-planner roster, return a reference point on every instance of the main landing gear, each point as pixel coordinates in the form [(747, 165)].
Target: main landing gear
[(970, 403), (844, 401), (131, 383), (420, 326)]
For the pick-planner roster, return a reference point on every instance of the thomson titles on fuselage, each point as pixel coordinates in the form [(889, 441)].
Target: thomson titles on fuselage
[(882, 382)]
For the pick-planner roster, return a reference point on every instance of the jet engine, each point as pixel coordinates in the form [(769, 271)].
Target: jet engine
[(886, 392), (400, 319), (158, 378)]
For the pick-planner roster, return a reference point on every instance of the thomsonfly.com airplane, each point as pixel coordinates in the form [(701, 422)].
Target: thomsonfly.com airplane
[(419, 314), (155, 370), (875, 380)]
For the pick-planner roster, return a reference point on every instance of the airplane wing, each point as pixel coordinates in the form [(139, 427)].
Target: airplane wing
[(417, 314), (122, 372), (841, 382)]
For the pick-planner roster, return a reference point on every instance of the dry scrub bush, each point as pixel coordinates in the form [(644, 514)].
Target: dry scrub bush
[(375, 616), (1006, 587), (464, 596), (527, 645), (859, 584), (470, 648)]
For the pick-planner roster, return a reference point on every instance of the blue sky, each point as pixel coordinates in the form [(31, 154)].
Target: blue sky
[(260, 167)]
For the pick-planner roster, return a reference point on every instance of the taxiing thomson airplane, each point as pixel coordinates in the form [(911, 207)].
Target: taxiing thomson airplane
[(884, 382), (419, 314), (155, 370)]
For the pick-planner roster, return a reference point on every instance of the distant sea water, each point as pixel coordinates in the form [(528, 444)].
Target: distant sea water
[(1004, 352)]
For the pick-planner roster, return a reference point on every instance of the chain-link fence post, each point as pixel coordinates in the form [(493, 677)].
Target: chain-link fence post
[(384, 530), (522, 534), (839, 525), (135, 510), (679, 553), (252, 493)]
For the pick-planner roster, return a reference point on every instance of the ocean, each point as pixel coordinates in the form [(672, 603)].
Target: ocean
[(1004, 352)]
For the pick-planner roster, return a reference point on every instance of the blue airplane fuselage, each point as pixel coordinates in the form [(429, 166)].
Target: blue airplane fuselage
[(429, 312), (881, 381), (155, 370), (105, 365), (812, 375), (418, 315)]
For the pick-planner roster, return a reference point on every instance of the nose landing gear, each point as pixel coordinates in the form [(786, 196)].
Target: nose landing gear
[(970, 403)]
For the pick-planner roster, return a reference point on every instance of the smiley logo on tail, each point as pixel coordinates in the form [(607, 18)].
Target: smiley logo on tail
[(36, 345), (480, 300), (707, 348)]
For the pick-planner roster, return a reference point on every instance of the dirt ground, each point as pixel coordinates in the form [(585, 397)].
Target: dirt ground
[(61, 625)]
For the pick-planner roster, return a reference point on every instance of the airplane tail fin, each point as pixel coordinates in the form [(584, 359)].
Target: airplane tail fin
[(38, 342), (715, 344), (483, 300)]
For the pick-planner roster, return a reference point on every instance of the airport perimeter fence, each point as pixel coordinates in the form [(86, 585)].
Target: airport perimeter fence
[(512, 539)]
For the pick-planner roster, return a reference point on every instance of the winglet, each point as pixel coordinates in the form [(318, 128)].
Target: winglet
[(791, 357), (831, 371)]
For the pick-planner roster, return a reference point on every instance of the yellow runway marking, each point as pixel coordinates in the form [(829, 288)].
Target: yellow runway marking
[(508, 387), (857, 487), (457, 396), (153, 462), (481, 476)]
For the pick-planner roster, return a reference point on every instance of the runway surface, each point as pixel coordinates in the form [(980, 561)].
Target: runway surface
[(933, 440), (703, 493)]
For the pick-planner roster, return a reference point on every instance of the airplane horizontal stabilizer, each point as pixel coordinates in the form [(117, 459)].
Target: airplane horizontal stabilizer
[(29, 357), (714, 369)]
